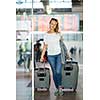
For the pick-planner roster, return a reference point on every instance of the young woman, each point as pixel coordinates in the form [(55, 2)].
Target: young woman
[(52, 46)]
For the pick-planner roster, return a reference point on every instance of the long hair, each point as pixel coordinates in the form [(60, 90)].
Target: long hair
[(57, 26)]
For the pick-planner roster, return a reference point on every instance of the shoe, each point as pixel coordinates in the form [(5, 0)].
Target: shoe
[(56, 93), (27, 70), (61, 93)]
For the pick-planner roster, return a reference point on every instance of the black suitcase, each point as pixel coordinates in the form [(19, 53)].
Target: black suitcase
[(42, 78), (70, 75)]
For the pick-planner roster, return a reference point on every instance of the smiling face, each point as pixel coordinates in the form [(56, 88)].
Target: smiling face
[(53, 25)]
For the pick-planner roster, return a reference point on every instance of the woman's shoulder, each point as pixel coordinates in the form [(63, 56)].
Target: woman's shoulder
[(45, 35), (59, 33)]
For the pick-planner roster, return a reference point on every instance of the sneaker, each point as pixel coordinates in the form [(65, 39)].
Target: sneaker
[(61, 93), (56, 93)]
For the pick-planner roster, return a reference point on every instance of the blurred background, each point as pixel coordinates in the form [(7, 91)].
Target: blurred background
[(32, 18)]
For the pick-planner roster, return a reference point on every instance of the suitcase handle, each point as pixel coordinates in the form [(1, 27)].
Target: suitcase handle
[(71, 61), (71, 65)]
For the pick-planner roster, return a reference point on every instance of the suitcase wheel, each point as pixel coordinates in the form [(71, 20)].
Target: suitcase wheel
[(47, 89), (35, 89), (74, 90)]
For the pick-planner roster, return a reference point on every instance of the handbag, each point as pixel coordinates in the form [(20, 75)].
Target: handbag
[(63, 51)]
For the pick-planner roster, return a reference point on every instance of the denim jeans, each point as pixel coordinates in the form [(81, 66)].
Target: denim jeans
[(56, 66)]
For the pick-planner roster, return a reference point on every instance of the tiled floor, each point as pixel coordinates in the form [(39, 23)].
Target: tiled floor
[(23, 92)]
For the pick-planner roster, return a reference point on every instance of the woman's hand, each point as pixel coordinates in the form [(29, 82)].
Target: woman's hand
[(41, 59), (68, 56), (43, 52)]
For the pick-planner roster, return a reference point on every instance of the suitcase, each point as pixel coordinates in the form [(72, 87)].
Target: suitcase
[(42, 78), (70, 75)]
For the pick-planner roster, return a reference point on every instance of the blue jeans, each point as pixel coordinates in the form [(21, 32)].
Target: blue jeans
[(56, 66)]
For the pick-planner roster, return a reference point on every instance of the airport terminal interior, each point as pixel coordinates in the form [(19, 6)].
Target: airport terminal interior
[(32, 18)]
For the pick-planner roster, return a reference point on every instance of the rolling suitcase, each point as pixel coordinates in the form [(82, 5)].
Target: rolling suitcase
[(42, 78), (70, 75)]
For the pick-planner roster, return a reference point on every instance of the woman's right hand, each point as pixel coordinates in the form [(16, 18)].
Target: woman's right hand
[(68, 56), (41, 59)]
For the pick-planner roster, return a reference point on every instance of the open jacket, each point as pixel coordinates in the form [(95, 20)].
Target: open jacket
[(63, 51)]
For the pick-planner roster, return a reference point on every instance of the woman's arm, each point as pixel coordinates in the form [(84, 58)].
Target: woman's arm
[(43, 52)]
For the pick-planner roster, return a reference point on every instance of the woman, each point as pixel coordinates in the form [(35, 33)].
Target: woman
[(51, 45)]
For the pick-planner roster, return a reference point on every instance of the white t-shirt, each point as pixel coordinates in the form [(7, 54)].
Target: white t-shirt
[(52, 40)]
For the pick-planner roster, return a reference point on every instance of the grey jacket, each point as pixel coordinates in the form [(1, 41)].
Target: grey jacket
[(63, 51)]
